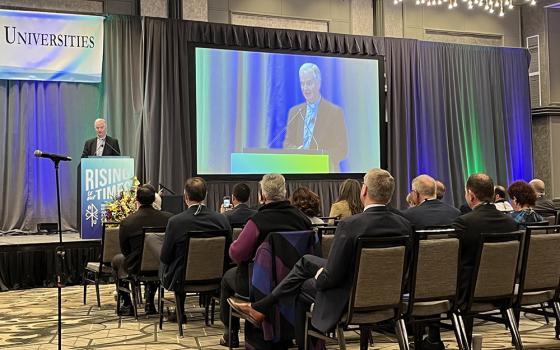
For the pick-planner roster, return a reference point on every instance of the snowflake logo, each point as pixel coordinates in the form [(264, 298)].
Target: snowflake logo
[(92, 214)]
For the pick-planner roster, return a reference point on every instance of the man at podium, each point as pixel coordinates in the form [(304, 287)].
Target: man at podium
[(316, 124), (102, 144)]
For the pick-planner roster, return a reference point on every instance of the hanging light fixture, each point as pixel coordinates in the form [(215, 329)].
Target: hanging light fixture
[(489, 5)]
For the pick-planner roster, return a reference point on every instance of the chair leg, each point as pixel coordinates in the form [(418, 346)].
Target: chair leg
[(206, 310), (212, 310), (364, 337), (543, 307), (556, 307), (402, 336), (84, 281), (134, 295), (118, 298), (179, 313), (97, 291), (160, 303), (459, 332), (464, 332), (516, 338), (340, 337)]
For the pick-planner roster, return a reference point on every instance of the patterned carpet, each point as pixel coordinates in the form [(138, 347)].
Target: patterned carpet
[(28, 321)]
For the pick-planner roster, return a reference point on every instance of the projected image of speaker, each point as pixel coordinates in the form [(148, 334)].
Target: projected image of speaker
[(259, 112)]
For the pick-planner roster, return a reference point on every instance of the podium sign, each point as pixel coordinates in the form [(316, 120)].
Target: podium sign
[(102, 178)]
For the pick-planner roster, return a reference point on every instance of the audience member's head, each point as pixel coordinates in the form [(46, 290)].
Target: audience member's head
[(479, 189), (241, 193), (378, 187), (272, 188), (522, 195), (195, 190), (440, 189), (349, 191), (307, 201), (145, 194), (538, 186), (499, 193), (423, 187)]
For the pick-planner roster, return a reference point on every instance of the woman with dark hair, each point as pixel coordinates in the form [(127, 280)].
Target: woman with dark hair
[(523, 198), (309, 203), (348, 202)]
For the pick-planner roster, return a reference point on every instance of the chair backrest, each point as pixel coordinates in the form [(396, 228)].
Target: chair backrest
[(379, 276), (435, 266), (540, 269), (325, 235), (205, 256), (236, 231), (149, 255), (495, 267), (110, 244)]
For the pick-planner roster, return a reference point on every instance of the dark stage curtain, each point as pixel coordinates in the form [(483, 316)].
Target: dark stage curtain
[(34, 265), (451, 109)]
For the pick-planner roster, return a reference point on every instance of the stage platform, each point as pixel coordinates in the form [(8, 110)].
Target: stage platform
[(29, 260)]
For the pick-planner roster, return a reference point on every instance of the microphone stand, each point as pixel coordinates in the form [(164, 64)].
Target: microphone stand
[(60, 253)]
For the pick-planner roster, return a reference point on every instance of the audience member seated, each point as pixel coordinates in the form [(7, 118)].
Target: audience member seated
[(348, 202), (429, 211), (523, 198), (484, 218), (329, 281), (500, 201), (197, 217), (542, 203), (240, 213), (309, 203), (277, 214), (130, 237), (440, 190)]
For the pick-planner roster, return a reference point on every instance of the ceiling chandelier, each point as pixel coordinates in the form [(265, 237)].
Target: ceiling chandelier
[(492, 6)]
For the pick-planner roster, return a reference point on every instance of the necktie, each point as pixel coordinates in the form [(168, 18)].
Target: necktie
[(309, 122)]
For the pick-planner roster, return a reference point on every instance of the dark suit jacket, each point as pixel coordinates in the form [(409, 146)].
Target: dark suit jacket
[(173, 250), (91, 146), (334, 283), (484, 218), (431, 213), (544, 204), (239, 215), (329, 132), (130, 233)]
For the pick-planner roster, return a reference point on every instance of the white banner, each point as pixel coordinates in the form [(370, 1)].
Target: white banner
[(50, 46)]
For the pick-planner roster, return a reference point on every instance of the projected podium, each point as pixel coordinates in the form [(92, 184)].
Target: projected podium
[(101, 178), (284, 161)]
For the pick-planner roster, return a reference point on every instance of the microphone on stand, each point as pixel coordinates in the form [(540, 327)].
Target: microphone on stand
[(285, 128), (108, 144), (52, 156)]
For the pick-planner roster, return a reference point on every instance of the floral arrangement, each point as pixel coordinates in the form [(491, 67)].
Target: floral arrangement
[(122, 205)]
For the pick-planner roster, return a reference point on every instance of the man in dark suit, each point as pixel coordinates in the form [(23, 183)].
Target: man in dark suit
[(484, 218), (130, 237), (240, 213), (102, 144), (197, 217), (542, 203), (428, 210), (316, 124), (329, 282)]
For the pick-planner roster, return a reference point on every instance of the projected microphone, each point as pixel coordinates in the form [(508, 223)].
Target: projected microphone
[(285, 128), (54, 157)]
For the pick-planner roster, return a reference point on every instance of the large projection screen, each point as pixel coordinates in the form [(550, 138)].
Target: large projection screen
[(292, 113)]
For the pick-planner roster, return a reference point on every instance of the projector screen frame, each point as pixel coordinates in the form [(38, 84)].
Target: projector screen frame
[(192, 114)]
